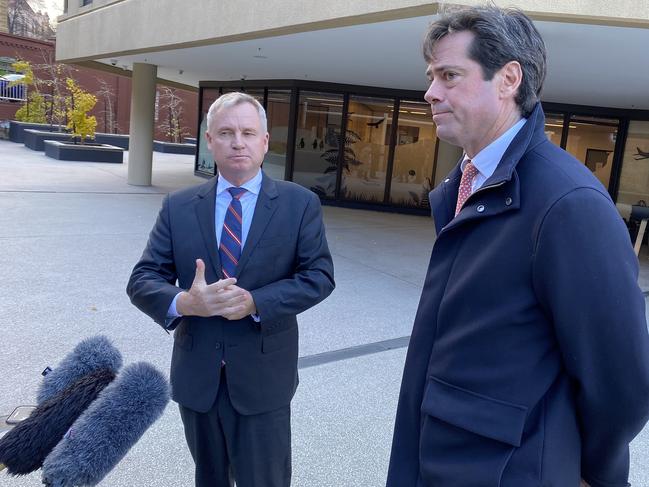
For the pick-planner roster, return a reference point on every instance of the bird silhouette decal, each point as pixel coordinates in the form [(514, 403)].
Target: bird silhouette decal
[(376, 124), (640, 155)]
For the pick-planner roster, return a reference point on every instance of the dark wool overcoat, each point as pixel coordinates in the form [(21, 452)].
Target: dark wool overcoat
[(528, 364)]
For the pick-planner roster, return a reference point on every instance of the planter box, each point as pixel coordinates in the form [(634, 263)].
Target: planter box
[(34, 139), (17, 129), (171, 148), (87, 152), (119, 140)]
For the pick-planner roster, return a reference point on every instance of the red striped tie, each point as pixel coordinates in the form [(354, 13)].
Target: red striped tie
[(230, 246)]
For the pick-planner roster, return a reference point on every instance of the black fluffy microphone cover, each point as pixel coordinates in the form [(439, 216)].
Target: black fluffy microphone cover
[(108, 429), (24, 448), (89, 355)]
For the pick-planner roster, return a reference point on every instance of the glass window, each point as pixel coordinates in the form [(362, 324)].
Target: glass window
[(414, 155), (277, 113), (256, 93), (367, 143), (554, 127), (634, 179), (205, 163), (592, 141), (317, 140)]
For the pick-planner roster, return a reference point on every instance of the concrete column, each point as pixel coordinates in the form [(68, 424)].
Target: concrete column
[(140, 156)]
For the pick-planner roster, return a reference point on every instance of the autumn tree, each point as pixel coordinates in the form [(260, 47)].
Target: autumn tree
[(33, 109), (171, 112), (79, 103), (53, 86), (107, 96)]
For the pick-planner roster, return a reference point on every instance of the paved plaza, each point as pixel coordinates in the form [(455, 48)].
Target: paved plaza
[(70, 233)]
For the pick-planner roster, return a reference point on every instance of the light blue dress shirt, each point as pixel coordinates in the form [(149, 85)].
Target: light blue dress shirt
[(488, 158), (248, 202)]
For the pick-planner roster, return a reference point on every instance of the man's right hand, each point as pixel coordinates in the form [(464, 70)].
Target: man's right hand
[(207, 300)]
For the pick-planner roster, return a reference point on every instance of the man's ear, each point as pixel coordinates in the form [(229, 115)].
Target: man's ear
[(511, 77)]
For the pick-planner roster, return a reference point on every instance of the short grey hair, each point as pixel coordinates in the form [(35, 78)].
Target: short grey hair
[(236, 98), (501, 35)]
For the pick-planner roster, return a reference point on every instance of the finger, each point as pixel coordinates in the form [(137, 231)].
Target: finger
[(226, 299), (222, 284), (234, 313), (199, 278)]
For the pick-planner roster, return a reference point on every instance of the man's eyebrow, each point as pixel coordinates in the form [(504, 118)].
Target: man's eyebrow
[(444, 67)]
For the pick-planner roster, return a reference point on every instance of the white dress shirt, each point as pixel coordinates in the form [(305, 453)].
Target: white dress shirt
[(488, 158), (223, 197)]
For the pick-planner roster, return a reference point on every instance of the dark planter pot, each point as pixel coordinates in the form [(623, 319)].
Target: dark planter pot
[(34, 139), (118, 140), (87, 152), (171, 148), (17, 129)]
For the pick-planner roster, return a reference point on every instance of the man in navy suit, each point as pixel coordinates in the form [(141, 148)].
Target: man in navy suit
[(528, 363), (228, 266)]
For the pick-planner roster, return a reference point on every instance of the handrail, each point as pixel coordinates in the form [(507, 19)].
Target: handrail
[(12, 93)]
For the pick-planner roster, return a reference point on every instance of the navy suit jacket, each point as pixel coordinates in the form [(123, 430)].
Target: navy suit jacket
[(528, 363), (286, 266)]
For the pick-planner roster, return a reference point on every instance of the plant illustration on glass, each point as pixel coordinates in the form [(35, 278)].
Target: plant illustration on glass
[(332, 156), (641, 154)]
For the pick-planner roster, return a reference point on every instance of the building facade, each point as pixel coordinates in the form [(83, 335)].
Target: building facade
[(112, 89), (343, 86)]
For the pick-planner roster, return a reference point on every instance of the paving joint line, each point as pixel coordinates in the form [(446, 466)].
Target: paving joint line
[(352, 352)]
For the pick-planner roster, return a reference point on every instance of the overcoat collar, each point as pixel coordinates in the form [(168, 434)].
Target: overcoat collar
[(443, 197)]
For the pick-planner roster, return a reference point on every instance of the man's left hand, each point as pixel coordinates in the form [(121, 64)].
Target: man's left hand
[(243, 307), (583, 483)]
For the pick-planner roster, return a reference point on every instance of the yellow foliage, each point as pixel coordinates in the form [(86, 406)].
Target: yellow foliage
[(24, 68), (33, 111), (78, 104)]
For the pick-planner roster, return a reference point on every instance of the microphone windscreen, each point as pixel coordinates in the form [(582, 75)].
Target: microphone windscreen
[(91, 354), (108, 429), (24, 448)]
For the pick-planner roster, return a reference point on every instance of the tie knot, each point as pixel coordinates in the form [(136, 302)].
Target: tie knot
[(470, 170), (236, 192)]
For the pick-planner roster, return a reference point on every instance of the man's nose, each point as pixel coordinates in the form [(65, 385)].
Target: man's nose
[(237, 140), (432, 95)]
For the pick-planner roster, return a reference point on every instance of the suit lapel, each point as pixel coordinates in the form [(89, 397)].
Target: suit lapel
[(205, 210), (264, 210)]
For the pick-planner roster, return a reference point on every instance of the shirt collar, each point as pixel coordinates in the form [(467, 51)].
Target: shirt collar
[(253, 185), (488, 158)]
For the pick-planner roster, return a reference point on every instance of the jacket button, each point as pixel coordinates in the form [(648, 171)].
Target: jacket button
[(508, 201), (217, 346), (480, 208), (447, 180)]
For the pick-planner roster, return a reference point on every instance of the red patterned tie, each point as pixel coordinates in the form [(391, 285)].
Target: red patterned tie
[(230, 247), (464, 191)]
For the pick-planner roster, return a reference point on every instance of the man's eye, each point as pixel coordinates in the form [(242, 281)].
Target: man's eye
[(450, 76)]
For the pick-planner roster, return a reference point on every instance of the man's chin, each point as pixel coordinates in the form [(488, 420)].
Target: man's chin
[(447, 137)]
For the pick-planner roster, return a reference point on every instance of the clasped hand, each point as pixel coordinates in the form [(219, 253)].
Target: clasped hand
[(221, 298)]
